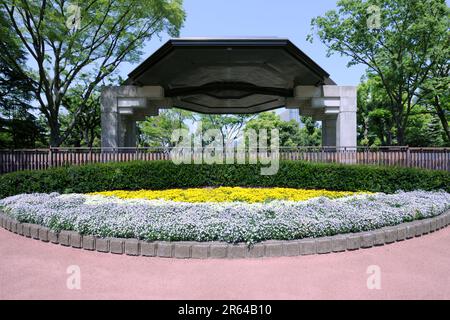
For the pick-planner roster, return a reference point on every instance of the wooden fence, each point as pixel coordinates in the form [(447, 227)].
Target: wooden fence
[(427, 158)]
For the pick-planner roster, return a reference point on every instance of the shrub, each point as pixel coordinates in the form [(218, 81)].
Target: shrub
[(166, 175)]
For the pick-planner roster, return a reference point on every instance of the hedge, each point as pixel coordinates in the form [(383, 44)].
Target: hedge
[(165, 175)]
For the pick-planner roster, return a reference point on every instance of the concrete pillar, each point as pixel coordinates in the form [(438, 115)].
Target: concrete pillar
[(347, 119), (109, 119), (121, 106), (128, 132), (336, 107), (329, 132)]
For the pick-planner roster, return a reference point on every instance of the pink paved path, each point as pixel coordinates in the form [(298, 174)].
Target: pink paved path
[(417, 268)]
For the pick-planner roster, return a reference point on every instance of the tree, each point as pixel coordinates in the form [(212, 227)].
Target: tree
[(376, 126), (86, 130), (375, 122), (424, 130), (291, 135), (83, 44), (229, 126), (398, 40), (436, 90), (18, 127), (157, 131)]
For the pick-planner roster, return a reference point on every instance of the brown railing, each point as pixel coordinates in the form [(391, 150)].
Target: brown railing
[(36, 159)]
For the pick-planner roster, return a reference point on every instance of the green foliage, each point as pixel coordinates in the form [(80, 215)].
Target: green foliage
[(18, 127), (376, 125), (291, 135), (166, 175), (21, 131), (229, 126), (109, 33), (404, 50), (85, 130), (157, 131)]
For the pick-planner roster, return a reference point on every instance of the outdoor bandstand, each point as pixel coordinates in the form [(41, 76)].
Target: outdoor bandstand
[(229, 76)]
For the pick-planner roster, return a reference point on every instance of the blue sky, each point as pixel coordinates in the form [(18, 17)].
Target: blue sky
[(260, 18)]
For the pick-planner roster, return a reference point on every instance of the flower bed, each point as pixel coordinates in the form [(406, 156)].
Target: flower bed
[(227, 194), (231, 222)]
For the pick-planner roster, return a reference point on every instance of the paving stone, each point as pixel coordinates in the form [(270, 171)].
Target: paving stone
[(19, 229), (10, 225), (401, 232), (308, 247), (274, 249), (148, 249), (26, 230), (426, 226), (53, 236), (132, 247), (64, 238), (353, 242), (380, 238), (339, 243), (102, 244), (182, 250), (89, 243), (43, 234), (34, 231), (256, 251), (433, 225), (165, 249), (116, 245), (324, 245), (391, 234), (443, 224), (14, 226), (199, 251), (291, 249), (446, 218), (218, 251), (419, 228), (440, 223), (368, 240), (410, 231), (75, 240), (237, 251)]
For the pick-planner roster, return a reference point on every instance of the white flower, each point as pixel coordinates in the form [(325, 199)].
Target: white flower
[(231, 222)]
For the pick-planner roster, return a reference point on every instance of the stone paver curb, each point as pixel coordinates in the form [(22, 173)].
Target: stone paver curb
[(222, 250)]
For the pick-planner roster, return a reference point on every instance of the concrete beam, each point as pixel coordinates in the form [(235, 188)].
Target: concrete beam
[(335, 106)]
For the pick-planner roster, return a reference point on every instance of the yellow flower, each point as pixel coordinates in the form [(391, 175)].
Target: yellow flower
[(228, 194)]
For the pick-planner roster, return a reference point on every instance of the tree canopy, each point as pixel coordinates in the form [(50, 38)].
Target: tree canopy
[(83, 44), (402, 42)]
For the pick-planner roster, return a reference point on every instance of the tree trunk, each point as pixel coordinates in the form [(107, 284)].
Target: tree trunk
[(400, 135), (54, 135), (442, 116)]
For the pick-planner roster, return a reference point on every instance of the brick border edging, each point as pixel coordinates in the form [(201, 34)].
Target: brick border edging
[(222, 250)]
